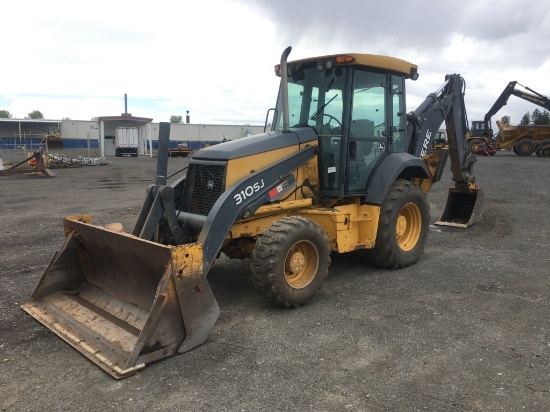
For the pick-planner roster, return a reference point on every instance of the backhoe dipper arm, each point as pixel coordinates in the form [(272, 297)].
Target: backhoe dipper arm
[(445, 105)]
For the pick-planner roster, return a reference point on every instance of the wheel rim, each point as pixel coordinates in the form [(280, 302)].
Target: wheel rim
[(475, 147), (301, 264), (525, 147), (408, 227)]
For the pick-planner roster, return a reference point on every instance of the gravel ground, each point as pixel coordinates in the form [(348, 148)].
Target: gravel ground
[(465, 329)]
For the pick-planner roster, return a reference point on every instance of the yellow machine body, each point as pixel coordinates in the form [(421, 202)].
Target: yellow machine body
[(125, 300)]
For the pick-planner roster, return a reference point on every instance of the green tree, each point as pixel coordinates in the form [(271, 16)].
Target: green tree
[(545, 117), (539, 117), (175, 119), (505, 119), (4, 114), (35, 114), (525, 120)]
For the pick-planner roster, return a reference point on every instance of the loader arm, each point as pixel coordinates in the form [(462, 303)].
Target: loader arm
[(159, 207), (231, 205)]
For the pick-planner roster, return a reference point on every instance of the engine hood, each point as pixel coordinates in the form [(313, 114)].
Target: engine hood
[(259, 143)]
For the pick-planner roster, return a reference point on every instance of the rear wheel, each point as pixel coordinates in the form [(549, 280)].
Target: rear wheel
[(402, 228), (545, 144), (290, 261), (525, 147)]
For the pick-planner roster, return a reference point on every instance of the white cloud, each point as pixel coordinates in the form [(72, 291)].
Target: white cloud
[(206, 57), (215, 58)]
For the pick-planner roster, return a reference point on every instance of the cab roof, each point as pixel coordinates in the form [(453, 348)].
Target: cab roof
[(368, 60)]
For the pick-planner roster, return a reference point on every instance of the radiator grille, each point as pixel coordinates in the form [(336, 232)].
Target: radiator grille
[(207, 188)]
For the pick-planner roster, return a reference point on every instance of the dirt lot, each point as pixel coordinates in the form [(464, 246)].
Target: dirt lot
[(465, 329)]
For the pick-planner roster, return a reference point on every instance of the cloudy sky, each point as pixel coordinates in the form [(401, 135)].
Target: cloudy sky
[(215, 58)]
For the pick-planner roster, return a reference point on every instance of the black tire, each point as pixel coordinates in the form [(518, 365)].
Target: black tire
[(473, 145), (525, 147), (290, 261), (545, 144), (403, 227)]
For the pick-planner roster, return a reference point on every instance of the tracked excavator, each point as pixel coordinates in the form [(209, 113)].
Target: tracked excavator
[(343, 168)]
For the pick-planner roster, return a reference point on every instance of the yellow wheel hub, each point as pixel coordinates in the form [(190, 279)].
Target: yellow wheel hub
[(408, 227), (301, 264)]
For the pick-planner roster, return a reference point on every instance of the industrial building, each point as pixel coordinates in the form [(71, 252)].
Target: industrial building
[(99, 133)]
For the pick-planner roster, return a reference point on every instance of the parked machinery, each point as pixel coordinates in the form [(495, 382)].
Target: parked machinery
[(343, 169), (524, 140)]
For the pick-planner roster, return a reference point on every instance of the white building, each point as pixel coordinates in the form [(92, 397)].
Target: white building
[(99, 134)]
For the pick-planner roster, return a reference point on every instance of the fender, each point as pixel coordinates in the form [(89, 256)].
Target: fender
[(392, 167)]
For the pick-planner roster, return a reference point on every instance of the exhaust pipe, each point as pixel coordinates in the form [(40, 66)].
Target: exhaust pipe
[(284, 89)]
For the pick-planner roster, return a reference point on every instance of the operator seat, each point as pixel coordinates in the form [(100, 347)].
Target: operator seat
[(362, 132)]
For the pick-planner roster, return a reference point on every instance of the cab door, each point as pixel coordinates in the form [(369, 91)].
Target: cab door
[(376, 125)]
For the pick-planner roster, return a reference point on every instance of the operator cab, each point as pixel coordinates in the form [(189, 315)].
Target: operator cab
[(478, 129), (357, 111)]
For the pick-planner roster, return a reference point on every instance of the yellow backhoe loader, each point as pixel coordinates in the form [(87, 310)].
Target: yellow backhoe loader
[(343, 168)]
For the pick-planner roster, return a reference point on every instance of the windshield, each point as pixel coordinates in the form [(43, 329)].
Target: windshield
[(374, 123), (315, 99)]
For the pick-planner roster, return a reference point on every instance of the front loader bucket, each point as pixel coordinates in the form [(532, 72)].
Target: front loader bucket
[(123, 301), (463, 209)]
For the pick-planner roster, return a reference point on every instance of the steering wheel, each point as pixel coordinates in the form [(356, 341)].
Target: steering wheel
[(331, 118)]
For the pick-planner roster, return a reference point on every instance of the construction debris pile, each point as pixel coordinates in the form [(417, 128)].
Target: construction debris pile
[(57, 161)]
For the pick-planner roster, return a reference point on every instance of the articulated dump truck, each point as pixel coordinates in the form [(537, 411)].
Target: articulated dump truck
[(343, 169), (524, 140)]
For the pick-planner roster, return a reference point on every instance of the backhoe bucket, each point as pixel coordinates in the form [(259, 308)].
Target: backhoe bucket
[(123, 301), (463, 209)]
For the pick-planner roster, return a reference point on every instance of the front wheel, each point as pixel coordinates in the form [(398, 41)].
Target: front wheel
[(474, 145), (290, 261), (403, 227)]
